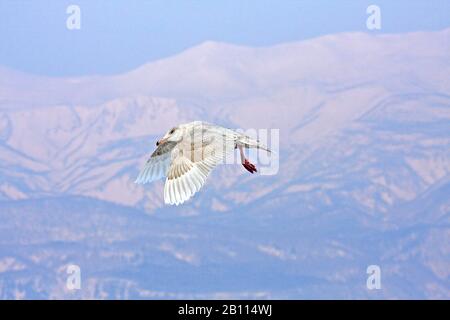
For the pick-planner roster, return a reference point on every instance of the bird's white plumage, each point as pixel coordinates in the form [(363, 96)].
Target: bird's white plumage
[(187, 156), (155, 168), (186, 178)]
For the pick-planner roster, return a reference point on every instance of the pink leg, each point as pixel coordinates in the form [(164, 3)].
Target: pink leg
[(247, 164)]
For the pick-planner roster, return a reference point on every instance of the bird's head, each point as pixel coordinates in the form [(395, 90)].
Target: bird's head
[(173, 135)]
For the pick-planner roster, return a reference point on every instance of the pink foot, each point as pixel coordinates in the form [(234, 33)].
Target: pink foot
[(249, 166)]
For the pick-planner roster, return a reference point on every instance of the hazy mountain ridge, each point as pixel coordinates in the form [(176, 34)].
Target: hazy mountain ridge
[(124, 253), (364, 171)]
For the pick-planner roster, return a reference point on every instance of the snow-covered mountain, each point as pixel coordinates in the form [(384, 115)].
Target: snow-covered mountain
[(363, 177)]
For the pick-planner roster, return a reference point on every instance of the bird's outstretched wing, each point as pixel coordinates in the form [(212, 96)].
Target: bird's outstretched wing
[(157, 165), (193, 159)]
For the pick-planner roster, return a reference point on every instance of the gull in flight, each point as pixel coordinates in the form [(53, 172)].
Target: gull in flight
[(187, 154)]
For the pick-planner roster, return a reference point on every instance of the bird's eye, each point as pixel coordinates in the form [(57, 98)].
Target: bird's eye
[(172, 131)]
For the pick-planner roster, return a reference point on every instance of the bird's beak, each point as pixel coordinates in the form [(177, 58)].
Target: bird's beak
[(161, 141)]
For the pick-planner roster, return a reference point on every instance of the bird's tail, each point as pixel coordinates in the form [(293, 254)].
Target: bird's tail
[(248, 142)]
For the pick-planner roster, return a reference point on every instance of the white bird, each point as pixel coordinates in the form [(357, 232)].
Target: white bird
[(187, 154)]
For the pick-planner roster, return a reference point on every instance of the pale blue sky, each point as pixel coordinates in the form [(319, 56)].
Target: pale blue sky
[(117, 36)]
